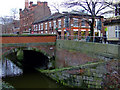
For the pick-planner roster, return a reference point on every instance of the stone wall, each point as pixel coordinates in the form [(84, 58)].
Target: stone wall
[(99, 64), (73, 53), (89, 48), (65, 58), (93, 75)]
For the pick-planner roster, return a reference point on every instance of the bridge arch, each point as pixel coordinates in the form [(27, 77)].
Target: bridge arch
[(20, 55)]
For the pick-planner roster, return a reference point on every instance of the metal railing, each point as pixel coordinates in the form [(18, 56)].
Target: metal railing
[(84, 38)]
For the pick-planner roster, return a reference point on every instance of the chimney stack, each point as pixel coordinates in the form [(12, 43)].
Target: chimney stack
[(38, 3), (31, 3), (26, 4), (20, 9), (45, 3)]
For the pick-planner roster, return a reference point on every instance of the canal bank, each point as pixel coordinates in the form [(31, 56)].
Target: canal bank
[(13, 77), (91, 75)]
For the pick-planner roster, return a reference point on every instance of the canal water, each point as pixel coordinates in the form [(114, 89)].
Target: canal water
[(34, 79)]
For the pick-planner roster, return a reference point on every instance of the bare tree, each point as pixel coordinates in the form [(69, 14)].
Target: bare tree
[(8, 22), (93, 7), (5, 21), (55, 6), (14, 13)]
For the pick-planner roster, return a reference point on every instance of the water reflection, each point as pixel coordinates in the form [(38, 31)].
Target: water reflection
[(0, 69), (9, 68), (31, 79), (0, 74)]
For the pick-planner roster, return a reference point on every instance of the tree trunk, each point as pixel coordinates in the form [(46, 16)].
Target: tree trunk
[(92, 29)]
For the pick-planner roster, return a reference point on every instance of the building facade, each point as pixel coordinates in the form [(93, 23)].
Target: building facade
[(68, 24), (113, 26), (32, 13), (113, 30)]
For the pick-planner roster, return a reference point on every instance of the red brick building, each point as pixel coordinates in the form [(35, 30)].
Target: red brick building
[(32, 13), (65, 24)]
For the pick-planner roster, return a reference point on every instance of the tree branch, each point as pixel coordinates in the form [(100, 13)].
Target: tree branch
[(89, 6)]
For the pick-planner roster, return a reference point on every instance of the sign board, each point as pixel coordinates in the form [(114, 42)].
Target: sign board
[(106, 29)]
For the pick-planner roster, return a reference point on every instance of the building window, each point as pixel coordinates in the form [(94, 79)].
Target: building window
[(49, 24), (41, 26), (54, 23), (34, 27), (119, 28), (64, 22), (46, 26), (83, 23), (59, 23), (75, 22), (117, 31)]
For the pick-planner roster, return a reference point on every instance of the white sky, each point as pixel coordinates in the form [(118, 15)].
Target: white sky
[(7, 5)]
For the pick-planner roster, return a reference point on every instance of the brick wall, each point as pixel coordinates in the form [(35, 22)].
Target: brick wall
[(32, 13), (28, 39)]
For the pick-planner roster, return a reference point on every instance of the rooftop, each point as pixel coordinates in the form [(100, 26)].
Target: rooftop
[(59, 15)]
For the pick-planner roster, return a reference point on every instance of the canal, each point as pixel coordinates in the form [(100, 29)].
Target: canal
[(31, 79)]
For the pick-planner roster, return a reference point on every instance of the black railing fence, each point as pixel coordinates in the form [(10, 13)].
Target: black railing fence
[(84, 38)]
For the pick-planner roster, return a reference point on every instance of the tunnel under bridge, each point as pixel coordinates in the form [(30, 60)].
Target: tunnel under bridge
[(29, 51)]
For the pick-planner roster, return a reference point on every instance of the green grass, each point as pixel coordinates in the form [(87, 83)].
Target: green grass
[(70, 68)]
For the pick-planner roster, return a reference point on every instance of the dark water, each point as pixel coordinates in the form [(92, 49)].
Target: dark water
[(32, 79)]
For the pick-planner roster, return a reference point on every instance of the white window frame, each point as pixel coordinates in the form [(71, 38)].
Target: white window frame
[(75, 24), (41, 26), (46, 32), (41, 32), (50, 25), (46, 26), (59, 23), (34, 27), (117, 31), (54, 24), (64, 22), (84, 24)]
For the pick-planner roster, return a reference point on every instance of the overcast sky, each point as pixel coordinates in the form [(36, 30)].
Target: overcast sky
[(7, 5)]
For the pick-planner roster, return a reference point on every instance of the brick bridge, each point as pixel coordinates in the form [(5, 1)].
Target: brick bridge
[(29, 46), (41, 42)]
